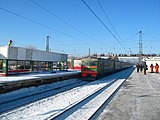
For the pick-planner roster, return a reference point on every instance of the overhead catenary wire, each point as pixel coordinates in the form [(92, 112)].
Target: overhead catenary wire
[(152, 16), (109, 20), (28, 19), (107, 16), (104, 25), (73, 27), (43, 25)]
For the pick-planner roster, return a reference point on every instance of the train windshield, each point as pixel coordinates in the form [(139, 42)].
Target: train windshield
[(84, 63), (89, 63), (93, 63)]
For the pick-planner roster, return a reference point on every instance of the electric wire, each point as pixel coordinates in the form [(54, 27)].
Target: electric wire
[(154, 7), (109, 20), (42, 25), (107, 17), (103, 24), (75, 28)]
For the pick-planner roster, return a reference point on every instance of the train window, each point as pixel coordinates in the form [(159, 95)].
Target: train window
[(93, 63), (85, 64)]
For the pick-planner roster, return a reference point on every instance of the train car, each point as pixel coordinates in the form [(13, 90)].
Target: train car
[(93, 68)]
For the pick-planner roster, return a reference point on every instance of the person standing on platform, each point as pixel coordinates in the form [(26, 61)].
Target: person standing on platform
[(141, 67), (157, 68), (151, 66), (145, 68), (137, 66)]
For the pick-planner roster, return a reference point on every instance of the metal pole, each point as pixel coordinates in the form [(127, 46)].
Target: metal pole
[(47, 44), (89, 52), (140, 47)]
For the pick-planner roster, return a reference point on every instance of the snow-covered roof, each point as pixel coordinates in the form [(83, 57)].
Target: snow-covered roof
[(152, 59), (19, 53)]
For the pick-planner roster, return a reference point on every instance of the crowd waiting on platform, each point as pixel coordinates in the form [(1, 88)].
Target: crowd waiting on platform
[(153, 69)]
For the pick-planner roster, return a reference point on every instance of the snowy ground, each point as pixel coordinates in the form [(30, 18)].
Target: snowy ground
[(35, 76), (56, 104), (138, 99), (27, 95)]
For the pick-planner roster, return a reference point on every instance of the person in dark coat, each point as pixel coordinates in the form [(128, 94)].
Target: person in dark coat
[(145, 68), (141, 67), (138, 67), (151, 66)]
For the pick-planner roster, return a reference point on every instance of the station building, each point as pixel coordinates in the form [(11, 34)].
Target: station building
[(21, 60)]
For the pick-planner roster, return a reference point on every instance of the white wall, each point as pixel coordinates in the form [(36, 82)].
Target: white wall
[(45, 56), (149, 62), (18, 53), (4, 52)]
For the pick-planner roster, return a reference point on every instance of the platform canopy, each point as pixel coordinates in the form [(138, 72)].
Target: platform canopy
[(19, 53)]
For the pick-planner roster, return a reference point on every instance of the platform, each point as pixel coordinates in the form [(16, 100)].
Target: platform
[(34, 79), (138, 99)]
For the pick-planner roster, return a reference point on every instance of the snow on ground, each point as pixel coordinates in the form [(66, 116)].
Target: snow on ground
[(53, 105), (33, 90), (138, 99), (7, 100), (56, 104), (35, 76), (86, 111)]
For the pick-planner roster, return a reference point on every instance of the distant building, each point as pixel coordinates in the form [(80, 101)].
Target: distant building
[(18, 59), (133, 60), (151, 60)]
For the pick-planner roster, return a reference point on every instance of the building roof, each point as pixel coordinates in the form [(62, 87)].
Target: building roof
[(152, 59), (19, 53)]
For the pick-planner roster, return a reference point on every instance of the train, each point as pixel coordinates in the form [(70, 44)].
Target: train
[(94, 68)]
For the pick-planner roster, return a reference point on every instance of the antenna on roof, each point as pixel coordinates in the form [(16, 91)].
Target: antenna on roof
[(47, 43)]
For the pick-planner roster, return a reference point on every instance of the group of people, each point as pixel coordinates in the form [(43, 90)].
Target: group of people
[(139, 67), (156, 68), (144, 67)]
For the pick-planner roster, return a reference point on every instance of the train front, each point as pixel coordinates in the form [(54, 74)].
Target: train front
[(89, 69)]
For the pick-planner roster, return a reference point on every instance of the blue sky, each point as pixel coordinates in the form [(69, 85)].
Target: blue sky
[(127, 16)]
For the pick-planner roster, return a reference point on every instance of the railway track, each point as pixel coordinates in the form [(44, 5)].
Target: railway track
[(92, 105), (83, 102), (8, 103)]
